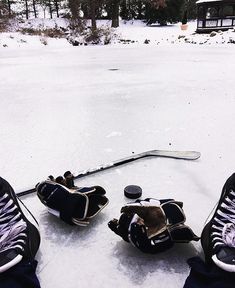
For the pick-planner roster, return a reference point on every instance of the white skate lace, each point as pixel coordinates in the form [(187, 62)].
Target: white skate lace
[(12, 226), (228, 234), (224, 223)]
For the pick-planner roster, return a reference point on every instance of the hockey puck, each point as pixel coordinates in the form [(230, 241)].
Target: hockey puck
[(133, 191)]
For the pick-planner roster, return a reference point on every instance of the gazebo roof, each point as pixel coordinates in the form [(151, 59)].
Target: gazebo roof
[(207, 1)]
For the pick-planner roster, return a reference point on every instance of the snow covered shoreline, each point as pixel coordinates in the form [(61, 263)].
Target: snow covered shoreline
[(129, 33)]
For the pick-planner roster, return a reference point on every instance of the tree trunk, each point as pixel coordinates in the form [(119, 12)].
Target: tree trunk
[(74, 6), (93, 15), (34, 9), (115, 13), (56, 8), (26, 9), (9, 7), (139, 10), (85, 10), (50, 9)]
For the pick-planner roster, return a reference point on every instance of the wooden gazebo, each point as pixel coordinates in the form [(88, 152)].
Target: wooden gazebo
[(215, 15)]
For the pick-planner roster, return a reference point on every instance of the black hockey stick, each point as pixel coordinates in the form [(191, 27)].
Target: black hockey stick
[(185, 155)]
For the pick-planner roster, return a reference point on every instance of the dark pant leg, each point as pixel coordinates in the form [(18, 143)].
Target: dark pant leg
[(22, 275)]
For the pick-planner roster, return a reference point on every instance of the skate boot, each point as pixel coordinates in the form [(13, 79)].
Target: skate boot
[(19, 234), (218, 235)]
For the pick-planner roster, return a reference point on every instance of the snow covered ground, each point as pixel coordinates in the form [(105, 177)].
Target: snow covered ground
[(73, 108), (129, 33)]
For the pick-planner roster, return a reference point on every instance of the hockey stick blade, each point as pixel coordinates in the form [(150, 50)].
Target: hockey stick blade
[(184, 155)]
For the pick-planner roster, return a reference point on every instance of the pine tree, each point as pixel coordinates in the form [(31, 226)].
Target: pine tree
[(164, 11), (192, 9), (5, 8), (74, 6)]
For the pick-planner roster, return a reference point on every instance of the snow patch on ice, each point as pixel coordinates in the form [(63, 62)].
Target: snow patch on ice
[(114, 134)]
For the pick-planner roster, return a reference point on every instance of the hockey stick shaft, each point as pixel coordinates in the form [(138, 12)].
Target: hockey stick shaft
[(184, 155)]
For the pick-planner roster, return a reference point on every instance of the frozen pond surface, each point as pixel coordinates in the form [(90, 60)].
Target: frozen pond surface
[(70, 108)]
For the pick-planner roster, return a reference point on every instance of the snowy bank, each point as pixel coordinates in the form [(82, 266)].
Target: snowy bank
[(129, 32)]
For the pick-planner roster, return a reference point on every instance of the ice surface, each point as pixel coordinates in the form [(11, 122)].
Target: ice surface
[(73, 108)]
